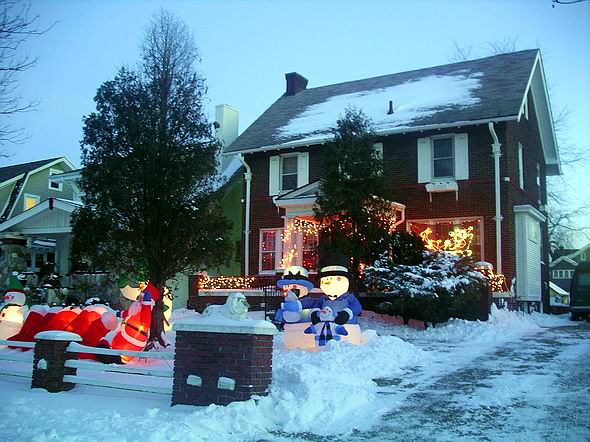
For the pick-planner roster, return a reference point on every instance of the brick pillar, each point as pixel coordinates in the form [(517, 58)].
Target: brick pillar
[(50, 358), (219, 364)]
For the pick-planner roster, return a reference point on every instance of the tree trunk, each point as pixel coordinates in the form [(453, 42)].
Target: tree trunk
[(157, 325)]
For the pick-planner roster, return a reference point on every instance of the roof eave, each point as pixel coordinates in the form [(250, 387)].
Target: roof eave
[(327, 139)]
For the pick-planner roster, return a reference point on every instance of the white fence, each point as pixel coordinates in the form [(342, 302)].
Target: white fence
[(142, 373), (14, 357)]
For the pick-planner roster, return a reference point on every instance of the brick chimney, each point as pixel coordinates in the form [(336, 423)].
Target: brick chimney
[(295, 83)]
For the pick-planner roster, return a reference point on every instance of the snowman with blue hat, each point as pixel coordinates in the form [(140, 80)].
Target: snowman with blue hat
[(336, 314), (297, 305)]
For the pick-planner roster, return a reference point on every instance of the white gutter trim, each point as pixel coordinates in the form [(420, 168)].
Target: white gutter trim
[(328, 138), (497, 153), (248, 178)]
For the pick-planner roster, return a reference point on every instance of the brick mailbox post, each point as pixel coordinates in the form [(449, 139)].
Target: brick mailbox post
[(220, 360), (50, 358)]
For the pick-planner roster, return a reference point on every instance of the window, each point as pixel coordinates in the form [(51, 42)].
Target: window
[(30, 201), (520, 167), (443, 162), (554, 273), (269, 249), (441, 228), (310, 252), (533, 230), (288, 173), (53, 185), (583, 256)]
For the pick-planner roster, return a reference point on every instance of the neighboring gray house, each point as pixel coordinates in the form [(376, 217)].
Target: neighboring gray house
[(563, 266)]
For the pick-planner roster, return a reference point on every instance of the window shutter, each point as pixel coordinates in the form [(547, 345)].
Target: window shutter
[(273, 175), (461, 157), (302, 169), (424, 160), (520, 167)]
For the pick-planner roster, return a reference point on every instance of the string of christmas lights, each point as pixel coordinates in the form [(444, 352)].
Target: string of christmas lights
[(225, 282), (458, 244)]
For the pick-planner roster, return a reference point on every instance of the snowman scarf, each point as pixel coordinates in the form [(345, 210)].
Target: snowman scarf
[(326, 334)]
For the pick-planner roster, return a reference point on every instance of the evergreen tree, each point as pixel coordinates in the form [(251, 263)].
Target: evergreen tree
[(149, 169), (357, 219)]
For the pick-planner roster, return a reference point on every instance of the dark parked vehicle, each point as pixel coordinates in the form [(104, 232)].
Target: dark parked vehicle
[(580, 292)]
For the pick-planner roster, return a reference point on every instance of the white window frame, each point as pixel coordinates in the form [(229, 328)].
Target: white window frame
[(554, 274), (583, 256), (453, 157), (281, 158), (520, 166), (60, 186), (30, 195), (278, 250), (455, 221)]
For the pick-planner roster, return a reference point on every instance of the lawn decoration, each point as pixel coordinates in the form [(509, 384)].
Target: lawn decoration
[(458, 243), (236, 307), (133, 332), (13, 309)]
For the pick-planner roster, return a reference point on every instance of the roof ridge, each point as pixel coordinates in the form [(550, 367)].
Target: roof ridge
[(48, 160), (416, 70)]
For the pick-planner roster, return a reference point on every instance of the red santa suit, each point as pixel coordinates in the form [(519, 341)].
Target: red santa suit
[(96, 332), (62, 319), (36, 319), (133, 332), (87, 316)]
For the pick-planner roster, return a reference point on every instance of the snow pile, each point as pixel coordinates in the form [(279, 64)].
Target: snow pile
[(182, 314), (413, 100)]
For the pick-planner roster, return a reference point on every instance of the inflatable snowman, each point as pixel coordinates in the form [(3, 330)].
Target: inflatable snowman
[(296, 285), (13, 310), (336, 314)]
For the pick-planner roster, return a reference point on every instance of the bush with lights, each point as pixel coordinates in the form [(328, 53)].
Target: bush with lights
[(429, 286)]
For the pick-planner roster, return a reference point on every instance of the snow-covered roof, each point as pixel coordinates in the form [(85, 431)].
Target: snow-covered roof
[(557, 289), (487, 89)]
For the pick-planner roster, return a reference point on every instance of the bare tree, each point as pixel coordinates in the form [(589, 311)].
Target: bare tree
[(566, 217), (17, 25)]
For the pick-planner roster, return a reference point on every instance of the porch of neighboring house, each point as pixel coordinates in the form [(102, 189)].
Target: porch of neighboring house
[(39, 235)]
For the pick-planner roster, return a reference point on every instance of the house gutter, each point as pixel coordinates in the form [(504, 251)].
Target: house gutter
[(248, 178), (496, 153)]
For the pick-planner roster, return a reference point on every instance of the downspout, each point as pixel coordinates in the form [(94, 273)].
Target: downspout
[(496, 153), (248, 178)]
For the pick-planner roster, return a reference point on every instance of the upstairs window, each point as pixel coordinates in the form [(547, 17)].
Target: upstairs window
[(54, 185), (288, 173), (443, 158)]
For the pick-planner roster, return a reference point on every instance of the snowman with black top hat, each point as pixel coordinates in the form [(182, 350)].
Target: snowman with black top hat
[(336, 314)]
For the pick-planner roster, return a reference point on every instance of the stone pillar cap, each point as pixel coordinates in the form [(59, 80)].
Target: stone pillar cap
[(57, 335), (226, 325)]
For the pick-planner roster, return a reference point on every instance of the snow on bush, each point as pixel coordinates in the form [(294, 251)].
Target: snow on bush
[(438, 272)]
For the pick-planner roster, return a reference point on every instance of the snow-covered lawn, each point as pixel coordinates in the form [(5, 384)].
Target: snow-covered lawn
[(345, 390)]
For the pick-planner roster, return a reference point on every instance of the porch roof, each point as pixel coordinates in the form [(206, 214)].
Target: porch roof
[(49, 216)]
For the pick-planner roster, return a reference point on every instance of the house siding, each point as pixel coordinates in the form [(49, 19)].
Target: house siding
[(5, 194), (38, 184)]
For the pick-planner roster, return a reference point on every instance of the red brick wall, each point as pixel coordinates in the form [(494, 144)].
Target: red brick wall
[(475, 198)]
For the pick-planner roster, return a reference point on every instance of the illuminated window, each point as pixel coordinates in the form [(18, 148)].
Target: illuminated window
[(441, 228), (270, 241), (310, 252), (288, 173), (30, 201)]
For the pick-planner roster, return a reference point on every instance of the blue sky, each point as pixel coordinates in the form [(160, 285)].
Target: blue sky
[(248, 46)]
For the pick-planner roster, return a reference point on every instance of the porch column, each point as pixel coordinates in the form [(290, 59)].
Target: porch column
[(62, 255)]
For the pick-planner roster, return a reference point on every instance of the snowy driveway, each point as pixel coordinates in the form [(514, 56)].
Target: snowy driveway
[(536, 388)]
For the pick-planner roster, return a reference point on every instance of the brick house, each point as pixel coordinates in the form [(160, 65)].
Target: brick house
[(468, 144)]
